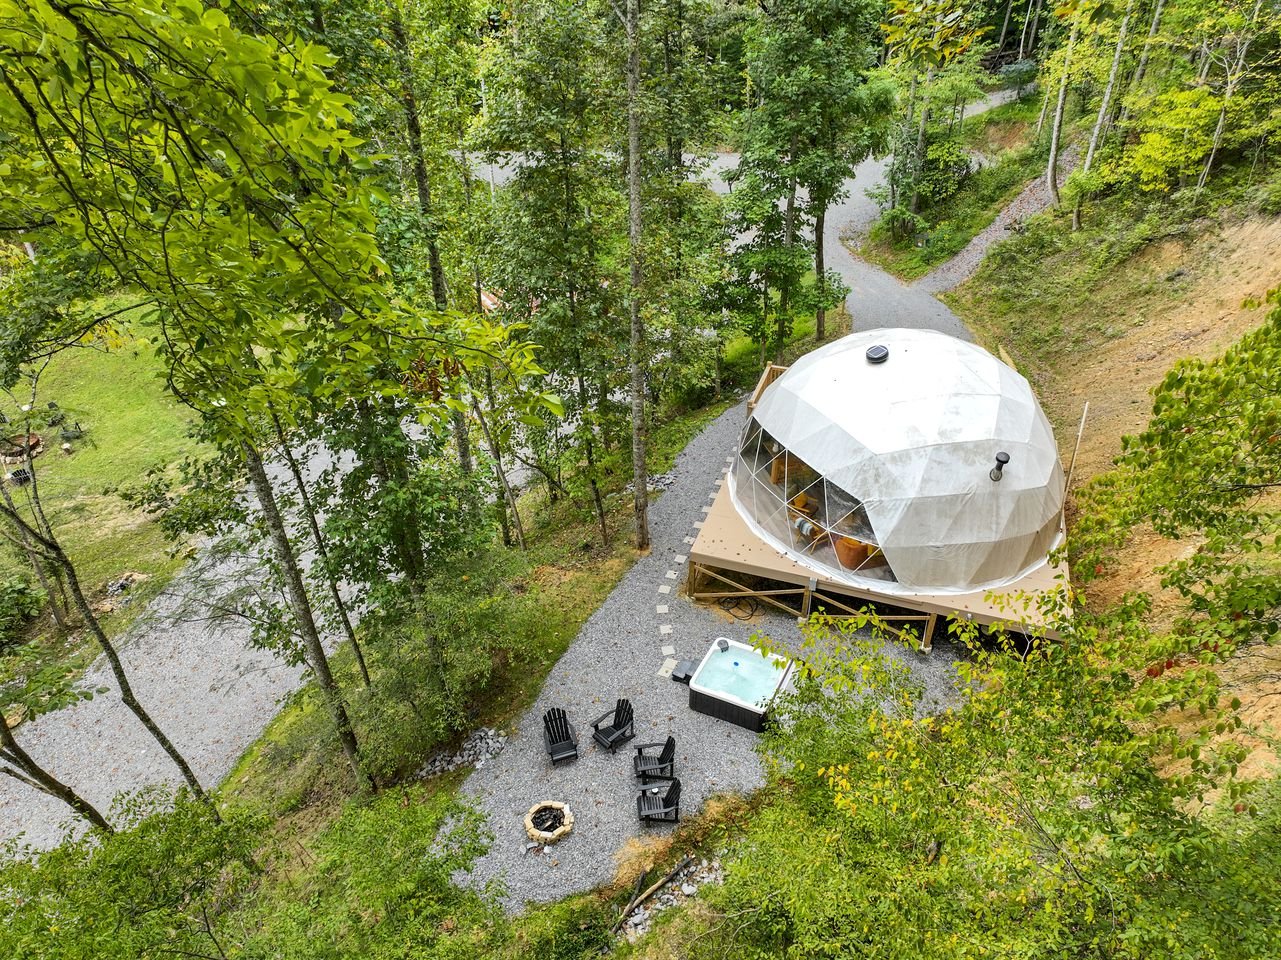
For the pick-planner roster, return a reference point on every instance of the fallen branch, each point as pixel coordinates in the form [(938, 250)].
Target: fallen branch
[(631, 904), (637, 901)]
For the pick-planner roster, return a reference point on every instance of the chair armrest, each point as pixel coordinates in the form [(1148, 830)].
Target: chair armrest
[(657, 776), (638, 747), (599, 720)]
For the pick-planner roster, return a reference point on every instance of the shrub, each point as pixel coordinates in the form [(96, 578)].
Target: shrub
[(20, 601), (947, 166)]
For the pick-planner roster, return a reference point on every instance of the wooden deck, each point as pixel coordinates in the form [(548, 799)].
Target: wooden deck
[(729, 560)]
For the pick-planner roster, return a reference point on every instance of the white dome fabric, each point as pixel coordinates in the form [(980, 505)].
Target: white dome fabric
[(842, 452)]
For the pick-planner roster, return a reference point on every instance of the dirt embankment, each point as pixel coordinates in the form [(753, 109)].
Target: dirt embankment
[(1187, 298), (1199, 314)]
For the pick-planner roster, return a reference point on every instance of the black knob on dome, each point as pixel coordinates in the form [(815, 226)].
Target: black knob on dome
[(1002, 458)]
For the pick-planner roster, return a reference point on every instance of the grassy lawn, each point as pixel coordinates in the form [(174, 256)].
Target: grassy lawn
[(741, 361), (1003, 134), (130, 425)]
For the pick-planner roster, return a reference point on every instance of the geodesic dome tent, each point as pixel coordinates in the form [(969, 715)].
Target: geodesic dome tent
[(903, 460)]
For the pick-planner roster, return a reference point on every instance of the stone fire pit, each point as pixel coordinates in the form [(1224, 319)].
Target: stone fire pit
[(548, 821), (16, 449)]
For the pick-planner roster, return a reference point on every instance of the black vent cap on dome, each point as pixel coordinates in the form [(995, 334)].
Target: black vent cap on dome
[(877, 353), (1002, 458)]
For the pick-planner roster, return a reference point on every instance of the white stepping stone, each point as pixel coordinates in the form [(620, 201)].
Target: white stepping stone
[(665, 629), (666, 669), (670, 574), (662, 608), (679, 558), (698, 524), (707, 509), (689, 540), (665, 588), (668, 650)]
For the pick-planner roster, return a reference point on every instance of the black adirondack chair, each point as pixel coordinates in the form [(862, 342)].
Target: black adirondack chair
[(618, 730), (655, 806), (559, 737), (655, 766)]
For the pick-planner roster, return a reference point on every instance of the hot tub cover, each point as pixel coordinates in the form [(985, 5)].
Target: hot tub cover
[(912, 439)]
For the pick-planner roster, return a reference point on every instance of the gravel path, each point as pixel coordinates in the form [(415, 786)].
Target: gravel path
[(1034, 199), (876, 298), (618, 653), (200, 678)]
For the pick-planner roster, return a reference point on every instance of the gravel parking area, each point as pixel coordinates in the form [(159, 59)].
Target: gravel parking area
[(207, 687), (618, 654), (199, 676)]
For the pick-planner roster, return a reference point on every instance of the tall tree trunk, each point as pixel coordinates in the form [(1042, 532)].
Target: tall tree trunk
[(640, 471), (297, 591), (1045, 112), (1024, 47), (56, 608), (25, 770), (1106, 102), (496, 453), (789, 239), (418, 159), (413, 128), (895, 170), (1005, 28), (322, 551), (589, 448), (1141, 70), (1204, 62), (1235, 73), (462, 441), (919, 160), (1036, 26), (820, 274), (1052, 168)]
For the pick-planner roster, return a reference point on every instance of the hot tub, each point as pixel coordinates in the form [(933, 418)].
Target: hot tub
[(738, 683)]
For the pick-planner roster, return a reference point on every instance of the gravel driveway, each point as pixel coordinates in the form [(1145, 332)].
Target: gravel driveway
[(200, 678)]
